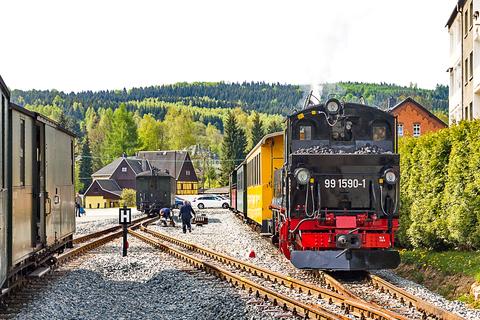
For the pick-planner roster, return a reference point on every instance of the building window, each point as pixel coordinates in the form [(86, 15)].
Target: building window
[(400, 129), (470, 67), (124, 169), (471, 110), (465, 22), (471, 14), (187, 172), (465, 68), (416, 129)]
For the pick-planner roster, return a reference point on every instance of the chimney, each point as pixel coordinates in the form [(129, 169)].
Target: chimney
[(391, 102), (144, 165)]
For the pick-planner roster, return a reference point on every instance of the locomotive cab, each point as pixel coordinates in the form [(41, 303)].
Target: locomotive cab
[(339, 189)]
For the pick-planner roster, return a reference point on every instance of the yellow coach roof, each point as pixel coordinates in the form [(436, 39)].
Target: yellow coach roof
[(262, 142)]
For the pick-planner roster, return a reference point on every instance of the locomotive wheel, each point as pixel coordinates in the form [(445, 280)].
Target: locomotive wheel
[(201, 206)]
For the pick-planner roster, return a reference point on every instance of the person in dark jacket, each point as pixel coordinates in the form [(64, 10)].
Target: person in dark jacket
[(186, 214), (166, 214), (78, 205)]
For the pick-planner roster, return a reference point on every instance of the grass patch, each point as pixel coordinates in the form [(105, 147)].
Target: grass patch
[(470, 300), (449, 262)]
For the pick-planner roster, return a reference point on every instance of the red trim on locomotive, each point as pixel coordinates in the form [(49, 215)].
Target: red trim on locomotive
[(320, 234)]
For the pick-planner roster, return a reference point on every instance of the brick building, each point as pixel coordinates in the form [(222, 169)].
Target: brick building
[(414, 119)]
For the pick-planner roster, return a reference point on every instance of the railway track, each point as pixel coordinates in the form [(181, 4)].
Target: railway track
[(28, 285), (297, 307), (426, 310), (348, 303)]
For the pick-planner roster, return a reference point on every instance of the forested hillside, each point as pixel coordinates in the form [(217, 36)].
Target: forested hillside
[(379, 94), (181, 115), (259, 96)]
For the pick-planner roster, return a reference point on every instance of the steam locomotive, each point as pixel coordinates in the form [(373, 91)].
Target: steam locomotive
[(326, 190)]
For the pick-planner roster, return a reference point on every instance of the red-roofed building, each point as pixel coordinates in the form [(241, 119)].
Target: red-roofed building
[(414, 119)]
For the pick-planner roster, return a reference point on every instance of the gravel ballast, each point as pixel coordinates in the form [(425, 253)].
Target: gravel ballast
[(98, 219), (227, 234), (147, 284)]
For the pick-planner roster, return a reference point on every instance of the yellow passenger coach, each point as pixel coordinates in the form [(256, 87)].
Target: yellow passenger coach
[(262, 161)]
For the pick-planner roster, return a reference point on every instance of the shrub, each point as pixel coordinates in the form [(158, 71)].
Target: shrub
[(129, 197), (440, 188)]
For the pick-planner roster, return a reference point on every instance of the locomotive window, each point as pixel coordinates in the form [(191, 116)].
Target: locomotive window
[(379, 132), (305, 133)]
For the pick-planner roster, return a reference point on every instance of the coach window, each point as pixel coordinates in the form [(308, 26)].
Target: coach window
[(2, 141), (72, 159), (22, 152)]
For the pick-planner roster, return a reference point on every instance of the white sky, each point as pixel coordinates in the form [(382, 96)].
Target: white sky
[(100, 44)]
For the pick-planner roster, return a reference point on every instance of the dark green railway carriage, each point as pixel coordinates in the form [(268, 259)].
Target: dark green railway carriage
[(155, 190)]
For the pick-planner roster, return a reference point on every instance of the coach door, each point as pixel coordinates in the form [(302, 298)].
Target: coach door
[(52, 198), (3, 187)]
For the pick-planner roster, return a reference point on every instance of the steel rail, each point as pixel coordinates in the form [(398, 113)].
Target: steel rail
[(102, 237), (278, 299), (424, 307), (97, 234), (351, 304)]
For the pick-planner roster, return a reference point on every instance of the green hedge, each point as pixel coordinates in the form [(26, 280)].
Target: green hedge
[(440, 189)]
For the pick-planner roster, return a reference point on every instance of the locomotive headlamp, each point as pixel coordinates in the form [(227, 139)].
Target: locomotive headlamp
[(302, 175), (332, 106), (390, 176)]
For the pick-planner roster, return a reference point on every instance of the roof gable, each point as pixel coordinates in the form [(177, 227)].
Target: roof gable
[(400, 105), (166, 160), (109, 169), (106, 185)]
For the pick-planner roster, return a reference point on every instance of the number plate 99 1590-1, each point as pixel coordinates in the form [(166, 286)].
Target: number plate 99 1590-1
[(345, 183)]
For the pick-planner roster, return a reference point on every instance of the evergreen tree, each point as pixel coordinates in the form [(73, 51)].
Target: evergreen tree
[(257, 130), (274, 126), (85, 170), (233, 147), (123, 137)]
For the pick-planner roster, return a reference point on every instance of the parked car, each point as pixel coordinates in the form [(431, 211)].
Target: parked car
[(210, 202)]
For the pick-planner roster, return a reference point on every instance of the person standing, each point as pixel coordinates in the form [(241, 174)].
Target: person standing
[(78, 204), (186, 214)]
